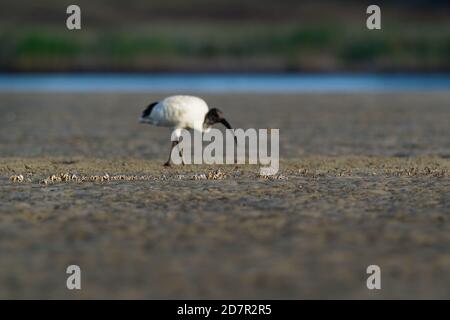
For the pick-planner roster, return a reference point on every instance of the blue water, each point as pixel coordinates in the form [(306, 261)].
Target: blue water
[(260, 83)]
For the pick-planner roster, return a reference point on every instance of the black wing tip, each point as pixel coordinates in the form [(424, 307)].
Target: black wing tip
[(149, 109)]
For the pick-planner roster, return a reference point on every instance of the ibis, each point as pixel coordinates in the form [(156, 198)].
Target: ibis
[(182, 112)]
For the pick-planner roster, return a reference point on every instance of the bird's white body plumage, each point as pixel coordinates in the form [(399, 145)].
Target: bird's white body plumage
[(179, 112)]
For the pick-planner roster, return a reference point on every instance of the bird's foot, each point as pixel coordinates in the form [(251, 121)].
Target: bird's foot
[(167, 164)]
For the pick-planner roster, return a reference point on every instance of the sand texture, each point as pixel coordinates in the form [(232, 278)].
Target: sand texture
[(364, 179)]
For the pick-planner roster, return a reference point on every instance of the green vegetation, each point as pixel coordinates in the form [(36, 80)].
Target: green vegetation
[(197, 36), (277, 49)]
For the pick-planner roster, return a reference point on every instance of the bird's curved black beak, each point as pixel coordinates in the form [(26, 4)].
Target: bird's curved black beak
[(225, 123), (228, 126)]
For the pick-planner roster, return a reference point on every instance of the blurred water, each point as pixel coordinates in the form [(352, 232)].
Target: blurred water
[(261, 83)]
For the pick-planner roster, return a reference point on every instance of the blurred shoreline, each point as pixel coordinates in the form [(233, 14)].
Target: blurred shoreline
[(182, 83)]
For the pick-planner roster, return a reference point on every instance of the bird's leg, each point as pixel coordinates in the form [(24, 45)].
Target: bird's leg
[(174, 144), (181, 154), (168, 162)]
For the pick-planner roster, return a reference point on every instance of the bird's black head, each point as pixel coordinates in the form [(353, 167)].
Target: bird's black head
[(214, 116)]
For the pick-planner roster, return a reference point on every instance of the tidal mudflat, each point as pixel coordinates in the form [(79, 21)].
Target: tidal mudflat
[(364, 179)]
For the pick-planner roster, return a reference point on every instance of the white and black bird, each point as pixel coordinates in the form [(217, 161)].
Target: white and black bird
[(182, 112)]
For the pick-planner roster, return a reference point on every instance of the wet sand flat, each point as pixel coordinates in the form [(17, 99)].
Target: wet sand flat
[(364, 179)]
